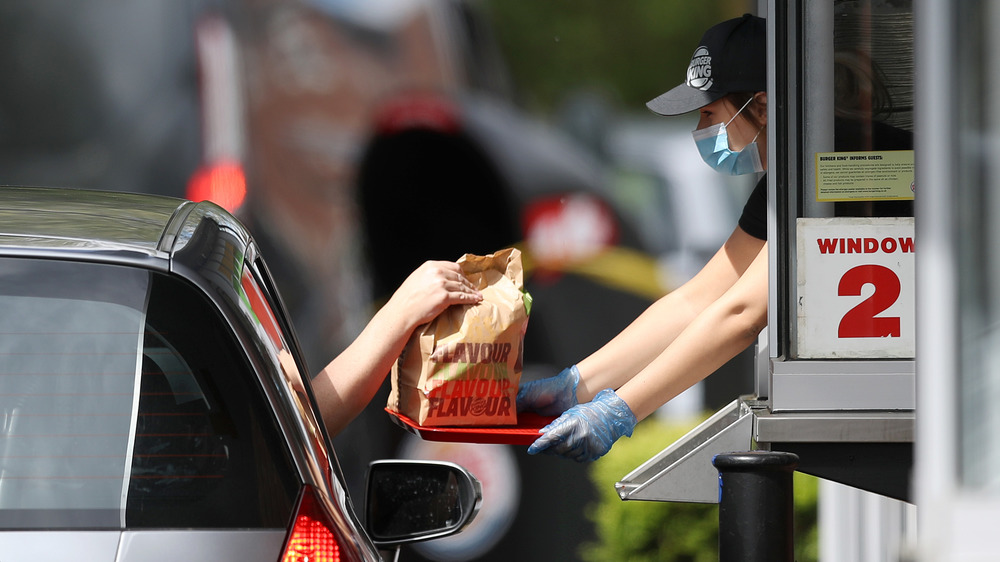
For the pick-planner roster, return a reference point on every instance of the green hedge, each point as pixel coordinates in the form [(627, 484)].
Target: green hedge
[(638, 531)]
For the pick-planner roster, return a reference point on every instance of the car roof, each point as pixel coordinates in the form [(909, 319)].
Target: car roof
[(40, 220)]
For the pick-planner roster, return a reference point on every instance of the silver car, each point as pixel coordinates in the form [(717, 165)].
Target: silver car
[(153, 402)]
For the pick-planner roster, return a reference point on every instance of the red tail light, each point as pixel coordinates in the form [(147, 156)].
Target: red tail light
[(312, 538), (222, 182)]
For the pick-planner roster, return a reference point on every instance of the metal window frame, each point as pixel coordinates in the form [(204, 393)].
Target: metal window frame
[(800, 82)]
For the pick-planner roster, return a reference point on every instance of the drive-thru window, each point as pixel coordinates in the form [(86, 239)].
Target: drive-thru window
[(835, 380)]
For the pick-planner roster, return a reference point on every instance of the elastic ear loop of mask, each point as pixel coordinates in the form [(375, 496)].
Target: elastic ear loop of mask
[(759, 129)]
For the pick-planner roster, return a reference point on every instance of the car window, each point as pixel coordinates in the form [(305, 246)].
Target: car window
[(67, 361), (127, 402), (260, 303)]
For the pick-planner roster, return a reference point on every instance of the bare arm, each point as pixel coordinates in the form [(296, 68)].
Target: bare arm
[(345, 386), (651, 333), (722, 330)]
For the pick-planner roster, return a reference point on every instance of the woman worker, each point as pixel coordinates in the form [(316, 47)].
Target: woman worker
[(686, 335)]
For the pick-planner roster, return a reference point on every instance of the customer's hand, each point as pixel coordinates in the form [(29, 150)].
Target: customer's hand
[(429, 290)]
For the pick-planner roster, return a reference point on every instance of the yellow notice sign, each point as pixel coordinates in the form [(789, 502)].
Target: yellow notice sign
[(864, 176)]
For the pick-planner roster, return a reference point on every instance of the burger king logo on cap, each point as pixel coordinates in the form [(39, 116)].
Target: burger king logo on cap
[(699, 75)]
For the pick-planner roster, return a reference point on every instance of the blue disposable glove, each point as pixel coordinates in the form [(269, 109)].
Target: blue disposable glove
[(550, 396), (587, 431)]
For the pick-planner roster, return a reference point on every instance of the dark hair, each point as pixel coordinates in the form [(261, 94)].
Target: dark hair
[(739, 99), (860, 90)]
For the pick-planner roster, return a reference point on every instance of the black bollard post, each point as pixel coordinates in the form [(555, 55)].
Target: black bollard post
[(755, 506)]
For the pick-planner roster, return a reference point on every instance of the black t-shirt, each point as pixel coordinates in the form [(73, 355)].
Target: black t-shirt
[(753, 221)]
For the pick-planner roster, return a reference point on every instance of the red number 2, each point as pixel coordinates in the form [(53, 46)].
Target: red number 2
[(861, 321)]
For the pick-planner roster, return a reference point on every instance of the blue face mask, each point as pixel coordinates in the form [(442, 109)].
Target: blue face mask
[(713, 144)]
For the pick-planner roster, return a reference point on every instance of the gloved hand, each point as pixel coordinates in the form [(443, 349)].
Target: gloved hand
[(550, 396), (587, 431)]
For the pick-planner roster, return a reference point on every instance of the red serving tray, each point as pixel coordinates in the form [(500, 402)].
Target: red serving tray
[(524, 433)]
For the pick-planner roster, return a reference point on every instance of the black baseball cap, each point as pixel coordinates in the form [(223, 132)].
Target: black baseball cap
[(732, 57)]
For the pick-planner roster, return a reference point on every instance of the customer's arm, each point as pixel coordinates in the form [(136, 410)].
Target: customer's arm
[(346, 385)]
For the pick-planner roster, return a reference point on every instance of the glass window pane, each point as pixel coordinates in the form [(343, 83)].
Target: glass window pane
[(68, 361), (873, 108), (208, 452), (128, 401), (977, 189), (850, 299)]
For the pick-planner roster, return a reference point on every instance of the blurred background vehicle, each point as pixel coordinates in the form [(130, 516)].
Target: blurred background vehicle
[(355, 139), (105, 96)]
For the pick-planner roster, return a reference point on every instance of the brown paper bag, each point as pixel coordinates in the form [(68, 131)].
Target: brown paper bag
[(464, 367)]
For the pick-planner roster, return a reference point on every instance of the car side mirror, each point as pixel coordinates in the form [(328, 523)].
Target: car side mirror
[(410, 501)]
